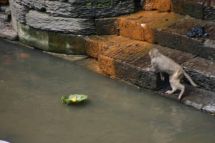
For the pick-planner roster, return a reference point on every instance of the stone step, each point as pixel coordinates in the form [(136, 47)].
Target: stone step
[(128, 59), (170, 30), (195, 8)]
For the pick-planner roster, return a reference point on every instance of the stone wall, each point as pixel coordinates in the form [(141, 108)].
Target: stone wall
[(68, 17), (201, 9)]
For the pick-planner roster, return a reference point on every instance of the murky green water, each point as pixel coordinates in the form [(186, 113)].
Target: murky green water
[(31, 84)]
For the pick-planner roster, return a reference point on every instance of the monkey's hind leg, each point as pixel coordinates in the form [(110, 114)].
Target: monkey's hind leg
[(182, 88), (175, 84)]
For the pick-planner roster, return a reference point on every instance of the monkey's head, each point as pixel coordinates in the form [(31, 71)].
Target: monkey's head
[(154, 53)]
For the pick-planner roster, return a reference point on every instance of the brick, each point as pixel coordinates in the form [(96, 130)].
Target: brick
[(129, 26), (160, 5)]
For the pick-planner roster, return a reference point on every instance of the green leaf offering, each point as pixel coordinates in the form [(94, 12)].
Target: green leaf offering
[(74, 98)]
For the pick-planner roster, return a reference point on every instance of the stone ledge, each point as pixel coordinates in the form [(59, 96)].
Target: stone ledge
[(172, 28), (189, 7), (81, 9), (203, 71), (52, 41), (175, 37), (58, 24), (130, 26), (194, 8), (128, 60), (160, 5)]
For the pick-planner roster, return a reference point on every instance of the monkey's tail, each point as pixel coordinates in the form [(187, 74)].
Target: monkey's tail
[(189, 78)]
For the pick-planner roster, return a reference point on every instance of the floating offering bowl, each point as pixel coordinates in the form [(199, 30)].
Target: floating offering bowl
[(74, 98)]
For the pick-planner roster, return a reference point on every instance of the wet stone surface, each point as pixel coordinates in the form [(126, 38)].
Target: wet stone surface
[(202, 71), (193, 8), (176, 37), (52, 41), (129, 61)]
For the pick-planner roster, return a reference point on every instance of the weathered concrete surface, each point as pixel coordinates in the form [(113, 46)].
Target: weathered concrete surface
[(52, 41), (76, 26), (200, 99), (130, 26)]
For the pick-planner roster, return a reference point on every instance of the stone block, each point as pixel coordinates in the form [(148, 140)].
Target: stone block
[(33, 37), (19, 12), (176, 37), (202, 72), (103, 8), (33, 4), (51, 41), (160, 5), (76, 26), (193, 8), (106, 26), (130, 26), (111, 8), (72, 10), (66, 43), (95, 45)]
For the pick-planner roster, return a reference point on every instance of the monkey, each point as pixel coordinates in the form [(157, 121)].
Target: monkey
[(163, 64)]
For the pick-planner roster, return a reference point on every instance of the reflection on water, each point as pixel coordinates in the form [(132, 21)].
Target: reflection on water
[(31, 84)]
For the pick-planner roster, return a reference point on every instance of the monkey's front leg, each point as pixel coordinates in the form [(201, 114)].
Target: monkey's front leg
[(152, 67)]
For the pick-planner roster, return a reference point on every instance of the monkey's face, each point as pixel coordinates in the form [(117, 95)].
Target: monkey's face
[(153, 53)]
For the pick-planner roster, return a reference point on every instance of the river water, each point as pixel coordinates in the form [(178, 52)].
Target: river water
[(31, 84)]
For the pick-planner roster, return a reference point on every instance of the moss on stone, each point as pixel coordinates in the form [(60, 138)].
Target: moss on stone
[(51, 41), (32, 37)]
